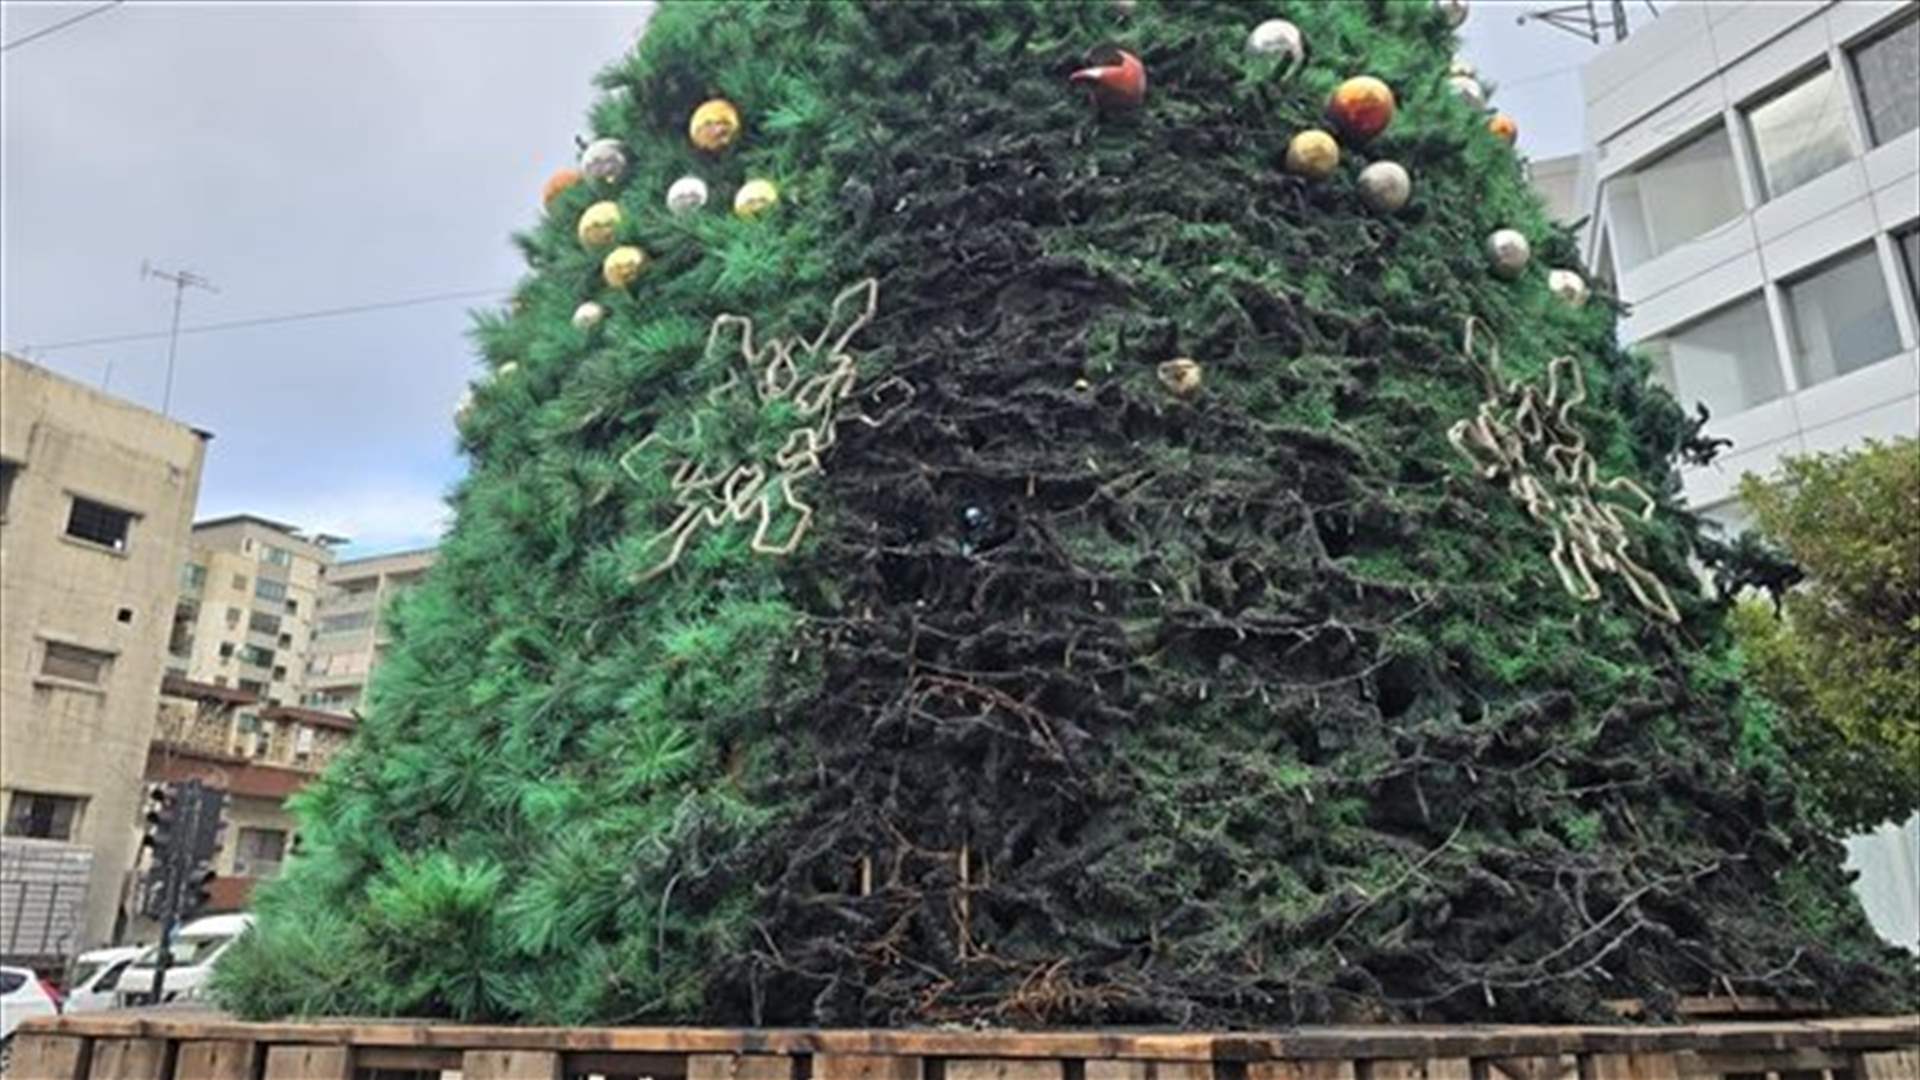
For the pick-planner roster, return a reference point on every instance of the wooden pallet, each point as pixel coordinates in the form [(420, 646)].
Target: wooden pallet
[(179, 1046)]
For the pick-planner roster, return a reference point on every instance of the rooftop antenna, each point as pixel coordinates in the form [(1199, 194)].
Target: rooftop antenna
[(181, 280), (1582, 19)]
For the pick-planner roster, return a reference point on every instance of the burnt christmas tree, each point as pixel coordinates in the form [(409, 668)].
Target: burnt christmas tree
[(1076, 543)]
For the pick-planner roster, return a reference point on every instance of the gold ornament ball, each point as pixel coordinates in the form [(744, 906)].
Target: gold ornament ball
[(1313, 154), (715, 125), (1362, 107), (622, 266), (754, 198), (1182, 376), (599, 224), (1568, 287), (1504, 126)]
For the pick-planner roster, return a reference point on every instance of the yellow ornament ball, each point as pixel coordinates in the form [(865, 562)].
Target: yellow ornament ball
[(1313, 154), (715, 125), (622, 266), (754, 198), (599, 224)]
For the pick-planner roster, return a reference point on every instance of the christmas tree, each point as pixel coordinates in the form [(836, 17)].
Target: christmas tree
[(1045, 512)]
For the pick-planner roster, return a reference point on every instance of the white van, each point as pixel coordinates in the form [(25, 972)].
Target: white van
[(95, 979), (195, 948)]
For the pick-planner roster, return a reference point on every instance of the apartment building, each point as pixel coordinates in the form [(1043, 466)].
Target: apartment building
[(249, 601), (351, 637), (96, 497), (1757, 202), (1754, 180), (259, 754)]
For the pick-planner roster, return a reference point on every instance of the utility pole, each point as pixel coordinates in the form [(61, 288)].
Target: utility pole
[(181, 279), (1582, 19)]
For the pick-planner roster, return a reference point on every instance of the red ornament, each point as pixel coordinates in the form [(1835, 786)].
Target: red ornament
[(1504, 126), (1362, 107), (1117, 79), (560, 181)]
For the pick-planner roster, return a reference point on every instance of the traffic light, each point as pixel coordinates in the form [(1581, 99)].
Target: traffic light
[(198, 890), (163, 812)]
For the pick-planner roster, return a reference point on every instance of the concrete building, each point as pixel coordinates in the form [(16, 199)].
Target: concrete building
[(249, 599), (258, 754), (1755, 197), (96, 496), (351, 636)]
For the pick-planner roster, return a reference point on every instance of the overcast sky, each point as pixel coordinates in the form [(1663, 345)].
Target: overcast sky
[(314, 157)]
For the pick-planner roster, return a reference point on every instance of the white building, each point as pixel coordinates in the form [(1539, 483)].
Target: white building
[(350, 639), (1754, 186)]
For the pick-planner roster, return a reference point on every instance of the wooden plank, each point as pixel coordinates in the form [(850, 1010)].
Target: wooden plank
[(216, 1059), (48, 1057), (129, 1059), (309, 1061), (406, 1059), (1801, 1059), (1150, 1070), (1416, 1069), (996, 1069), (1300, 1070), (1890, 1065), (1629, 1067), (1548, 1067), (866, 1067), (739, 1067), (510, 1065), (614, 1063)]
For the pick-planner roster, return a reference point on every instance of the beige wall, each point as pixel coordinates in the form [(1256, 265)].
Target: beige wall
[(59, 736)]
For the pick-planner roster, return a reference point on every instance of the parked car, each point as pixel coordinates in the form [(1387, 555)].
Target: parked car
[(195, 948), (95, 977), (22, 994)]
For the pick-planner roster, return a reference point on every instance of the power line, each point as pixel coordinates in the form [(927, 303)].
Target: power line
[(61, 25), (269, 320)]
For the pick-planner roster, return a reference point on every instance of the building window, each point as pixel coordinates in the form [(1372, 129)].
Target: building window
[(257, 852), (8, 470), (1726, 360), (257, 656), (75, 664), (286, 641), (270, 590), (274, 556), (1909, 244), (1842, 318), (341, 624), (1887, 68), (98, 523), (44, 817), (193, 577), (239, 583), (262, 623), (1682, 195), (233, 618), (226, 649), (293, 607), (1797, 135), (252, 686)]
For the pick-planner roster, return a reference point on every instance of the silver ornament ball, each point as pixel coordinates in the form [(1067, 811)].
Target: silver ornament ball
[(603, 160), (1509, 252), (687, 194), (1468, 89), (1278, 37), (1454, 10), (1463, 66), (588, 315), (1385, 186), (1568, 287)]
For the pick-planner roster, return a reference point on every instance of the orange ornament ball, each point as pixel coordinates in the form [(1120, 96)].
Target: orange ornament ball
[(1361, 107), (1503, 126), (561, 180)]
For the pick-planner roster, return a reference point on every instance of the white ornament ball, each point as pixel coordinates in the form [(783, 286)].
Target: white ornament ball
[(689, 193), (604, 160), (1568, 287), (465, 407), (588, 315), (1468, 89), (506, 370), (1385, 186), (1509, 252), (1278, 37), (1454, 10), (1462, 66)]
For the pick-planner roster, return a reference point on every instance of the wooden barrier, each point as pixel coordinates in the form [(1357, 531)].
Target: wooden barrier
[(162, 1045)]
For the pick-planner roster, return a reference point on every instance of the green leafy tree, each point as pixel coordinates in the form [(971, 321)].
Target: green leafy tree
[(943, 649), (1840, 653)]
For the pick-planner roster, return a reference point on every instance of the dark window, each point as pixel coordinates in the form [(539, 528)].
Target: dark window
[(270, 590), (1909, 244), (1841, 316), (257, 852), (8, 470), (98, 523), (286, 641), (44, 817), (239, 583), (11, 981), (293, 607), (125, 615), (63, 661), (226, 649), (262, 623), (1888, 70), (253, 686), (257, 656)]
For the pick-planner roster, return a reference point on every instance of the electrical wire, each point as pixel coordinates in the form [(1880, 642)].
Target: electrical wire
[(270, 320), (61, 25)]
